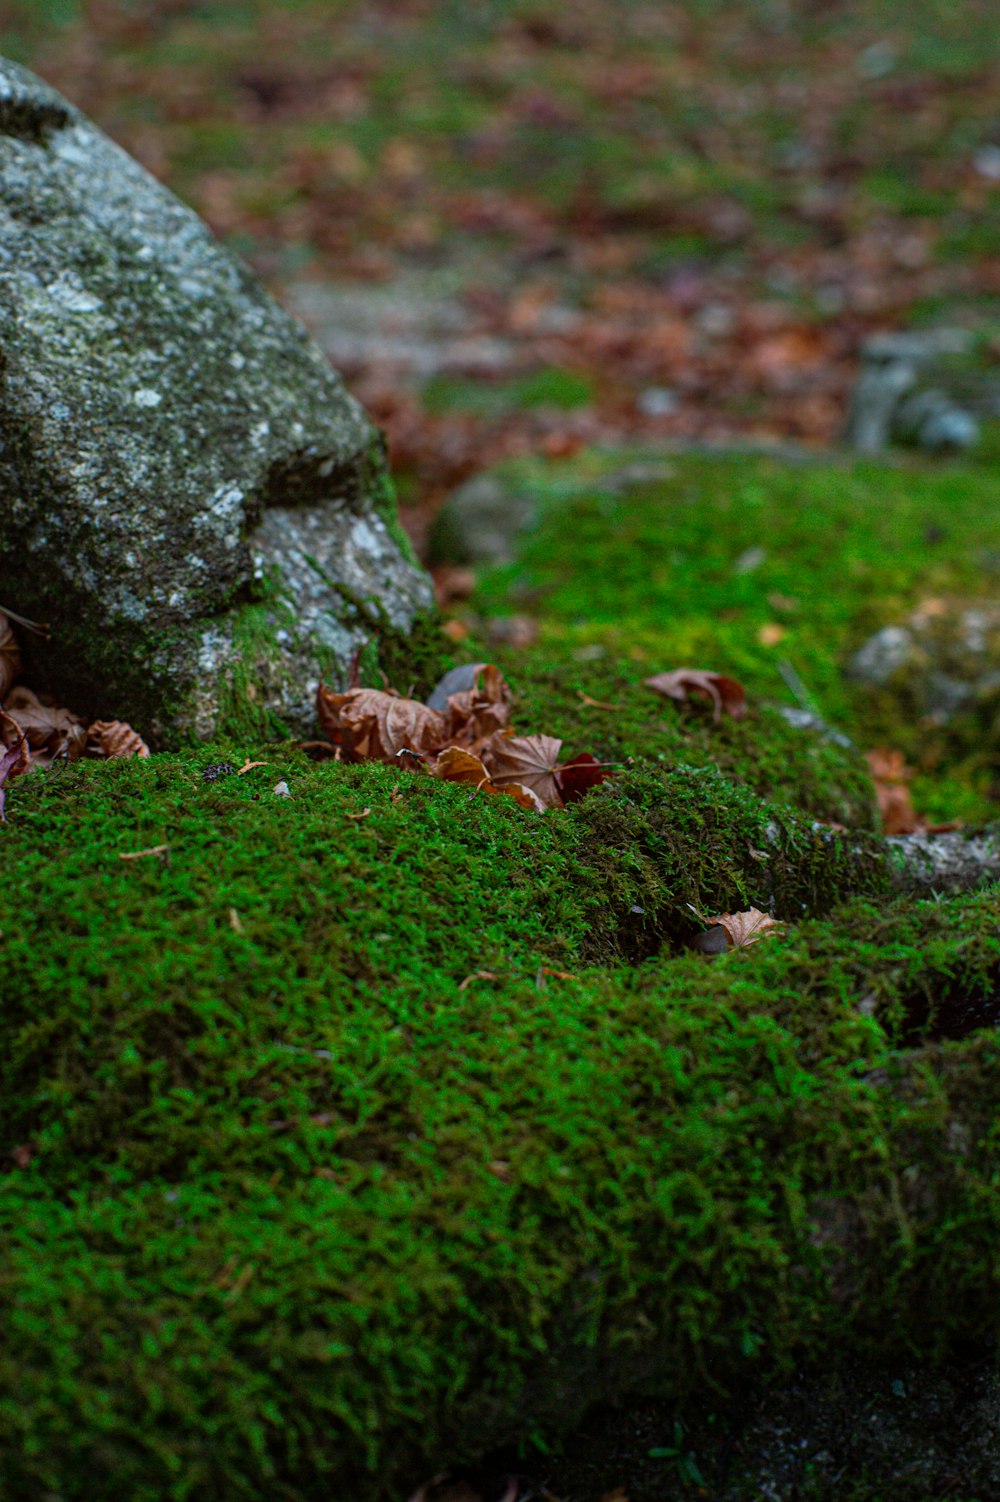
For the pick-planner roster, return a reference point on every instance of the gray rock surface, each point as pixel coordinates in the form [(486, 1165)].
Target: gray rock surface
[(920, 389), (482, 522), (188, 493), (940, 664)]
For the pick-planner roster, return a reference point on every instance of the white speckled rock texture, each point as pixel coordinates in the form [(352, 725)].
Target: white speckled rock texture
[(173, 448)]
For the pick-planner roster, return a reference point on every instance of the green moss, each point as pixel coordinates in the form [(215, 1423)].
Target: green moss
[(377, 1125), (773, 573), (308, 1211), (378, 488), (550, 387)]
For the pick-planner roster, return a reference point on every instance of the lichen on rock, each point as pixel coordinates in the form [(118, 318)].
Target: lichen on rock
[(173, 447)]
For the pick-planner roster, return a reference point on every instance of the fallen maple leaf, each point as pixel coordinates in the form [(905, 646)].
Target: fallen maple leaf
[(576, 777), (474, 714), (530, 761), (10, 656), (49, 730), (744, 929), (727, 695), (455, 764), (113, 738), (370, 724)]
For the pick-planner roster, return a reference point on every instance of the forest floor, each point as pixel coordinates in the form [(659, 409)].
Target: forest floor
[(523, 229), (632, 219)]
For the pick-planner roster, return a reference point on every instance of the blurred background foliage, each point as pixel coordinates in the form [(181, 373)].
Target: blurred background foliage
[(685, 216)]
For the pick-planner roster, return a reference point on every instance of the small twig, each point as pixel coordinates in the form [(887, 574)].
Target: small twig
[(137, 855), (22, 620), (478, 975)]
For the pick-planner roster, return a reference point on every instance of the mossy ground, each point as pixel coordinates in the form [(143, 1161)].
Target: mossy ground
[(769, 571), (382, 1124)]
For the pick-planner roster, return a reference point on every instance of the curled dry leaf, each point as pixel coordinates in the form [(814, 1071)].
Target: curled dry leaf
[(10, 656), (527, 760), (727, 696), (743, 929), (113, 738), (473, 715), (370, 724), (455, 764), (49, 730)]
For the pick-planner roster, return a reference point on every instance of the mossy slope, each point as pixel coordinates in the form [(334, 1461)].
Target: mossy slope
[(293, 1211), (771, 572)]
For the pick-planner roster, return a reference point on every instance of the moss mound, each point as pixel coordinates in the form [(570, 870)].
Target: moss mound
[(293, 1207), (360, 1131)]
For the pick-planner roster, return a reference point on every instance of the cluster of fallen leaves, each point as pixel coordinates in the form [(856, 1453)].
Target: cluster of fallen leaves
[(35, 730), (461, 734)]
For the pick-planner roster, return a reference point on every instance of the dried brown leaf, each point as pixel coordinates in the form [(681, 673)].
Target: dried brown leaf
[(477, 713), (890, 775), (455, 764), (113, 738), (49, 729), (527, 760), (370, 724), (744, 929), (726, 694), (10, 656)]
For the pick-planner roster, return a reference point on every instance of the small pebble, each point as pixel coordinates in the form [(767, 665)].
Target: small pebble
[(217, 771), (282, 790)]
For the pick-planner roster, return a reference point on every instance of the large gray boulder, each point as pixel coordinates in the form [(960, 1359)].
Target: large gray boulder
[(188, 494)]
